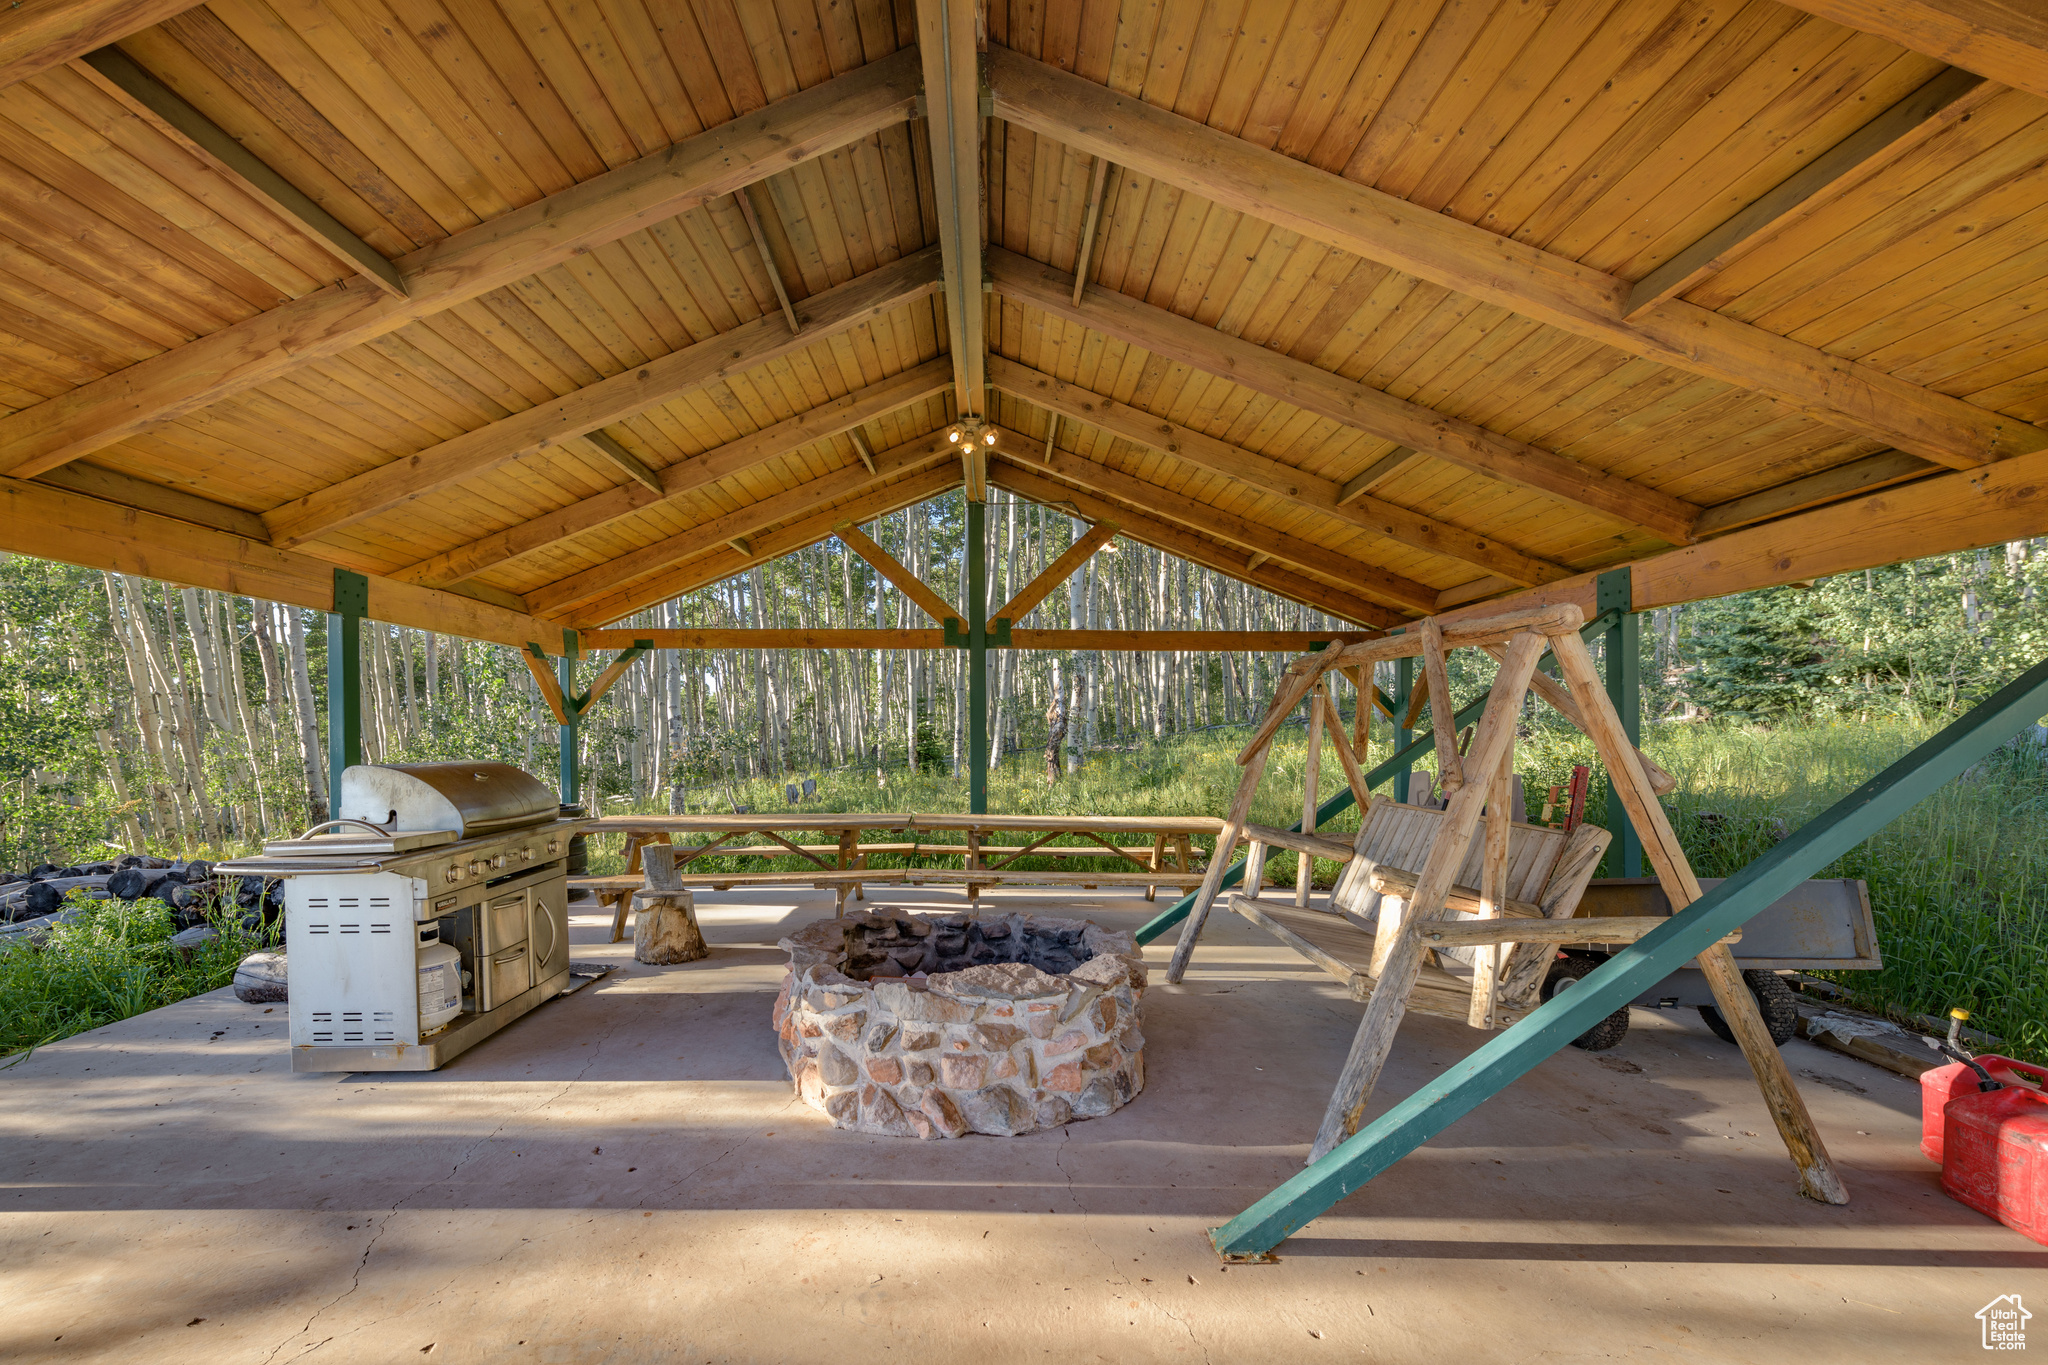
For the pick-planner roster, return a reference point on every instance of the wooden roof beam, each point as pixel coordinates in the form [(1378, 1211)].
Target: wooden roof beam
[(53, 523), (1465, 444), (510, 247), (841, 415), (891, 568), (946, 36), (716, 563), (1553, 289), (1268, 475), (1212, 521), (1939, 103), (412, 477), (1944, 513), (125, 80), (1031, 481), (2004, 40), (1055, 573), (593, 583), (45, 33)]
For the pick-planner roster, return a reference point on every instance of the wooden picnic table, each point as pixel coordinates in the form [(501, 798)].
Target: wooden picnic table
[(985, 862)]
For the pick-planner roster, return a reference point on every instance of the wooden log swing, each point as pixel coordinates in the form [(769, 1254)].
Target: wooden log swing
[(1407, 928)]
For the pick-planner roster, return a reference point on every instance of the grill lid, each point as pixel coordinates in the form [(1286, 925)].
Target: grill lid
[(466, 799)]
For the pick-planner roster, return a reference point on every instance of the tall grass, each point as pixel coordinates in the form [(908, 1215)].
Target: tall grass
[(1958, 886), (111, 963)]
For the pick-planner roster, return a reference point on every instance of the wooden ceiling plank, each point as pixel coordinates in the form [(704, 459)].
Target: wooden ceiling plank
[(36, 37), (125, 490), (595, 405), (506, 249), (1828, 485), (571, 592), (54, 523), (2002, 40), (1269, 475), (124, 79), (1315, 390), (1952, 95), (1031, 481), (1528, 280), (1215, 522), (720, 563)]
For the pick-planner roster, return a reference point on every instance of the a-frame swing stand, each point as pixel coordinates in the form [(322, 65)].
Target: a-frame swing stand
[(1423, 911)]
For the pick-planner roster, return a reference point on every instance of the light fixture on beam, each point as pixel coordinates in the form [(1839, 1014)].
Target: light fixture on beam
[(973, 437)]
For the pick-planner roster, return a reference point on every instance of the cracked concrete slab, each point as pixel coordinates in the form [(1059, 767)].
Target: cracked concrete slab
[(624, 1176)]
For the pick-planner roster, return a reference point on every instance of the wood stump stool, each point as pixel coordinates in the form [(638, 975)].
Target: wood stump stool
[(665, 929)]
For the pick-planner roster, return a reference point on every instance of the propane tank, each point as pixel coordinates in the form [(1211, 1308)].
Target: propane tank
[(440, 978)]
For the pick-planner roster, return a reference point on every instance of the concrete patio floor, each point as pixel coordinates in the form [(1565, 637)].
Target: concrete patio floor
[(624, 1176)]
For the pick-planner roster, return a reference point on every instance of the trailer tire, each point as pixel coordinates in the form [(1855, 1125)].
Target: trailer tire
[(1774, 1001), (1609, 1032)]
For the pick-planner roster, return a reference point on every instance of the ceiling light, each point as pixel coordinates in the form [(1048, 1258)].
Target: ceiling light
[(989, 438)]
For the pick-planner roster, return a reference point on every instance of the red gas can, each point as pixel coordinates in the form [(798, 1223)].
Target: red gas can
[(1939, 1085), (1996, 1157)]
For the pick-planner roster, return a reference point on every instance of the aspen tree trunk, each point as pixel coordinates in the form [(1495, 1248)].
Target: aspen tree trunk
[(309, 726)]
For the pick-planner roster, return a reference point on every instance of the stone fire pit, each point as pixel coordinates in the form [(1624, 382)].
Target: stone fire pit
[(942, 1025)]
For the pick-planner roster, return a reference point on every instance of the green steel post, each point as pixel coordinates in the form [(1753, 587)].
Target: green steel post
[(1514, 1052), (977, 662), (571, 787), (1404, 687), (1623, 663), (1342, 801), (345, 680)]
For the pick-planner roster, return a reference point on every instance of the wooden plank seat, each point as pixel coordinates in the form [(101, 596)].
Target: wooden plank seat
[(1545, 875)]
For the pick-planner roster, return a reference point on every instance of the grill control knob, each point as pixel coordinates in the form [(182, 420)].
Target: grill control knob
[(475, 866)]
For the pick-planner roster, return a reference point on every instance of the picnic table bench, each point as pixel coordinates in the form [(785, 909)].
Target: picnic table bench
[(843, 866)]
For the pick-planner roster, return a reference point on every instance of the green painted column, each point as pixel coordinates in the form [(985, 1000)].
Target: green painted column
[(571, 785), (345, 680), (1624, 668), (1404, 685), (977, 660)]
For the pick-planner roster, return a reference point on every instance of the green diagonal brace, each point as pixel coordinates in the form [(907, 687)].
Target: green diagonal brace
[(1342, 801), (1625, 975)]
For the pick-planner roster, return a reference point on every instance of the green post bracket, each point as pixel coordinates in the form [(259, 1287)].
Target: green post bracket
[(1514, 1052), (345, 680)]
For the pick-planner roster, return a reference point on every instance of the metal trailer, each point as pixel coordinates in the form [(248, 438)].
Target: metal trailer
[(1822, 925)]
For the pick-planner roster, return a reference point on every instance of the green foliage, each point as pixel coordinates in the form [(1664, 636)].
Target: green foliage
[(111, 963), (1762, 655)]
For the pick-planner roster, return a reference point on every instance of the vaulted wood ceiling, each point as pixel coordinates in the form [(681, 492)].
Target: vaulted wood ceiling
[(540, 313)]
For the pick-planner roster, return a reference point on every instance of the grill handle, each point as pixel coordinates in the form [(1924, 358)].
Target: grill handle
[(345, 820)]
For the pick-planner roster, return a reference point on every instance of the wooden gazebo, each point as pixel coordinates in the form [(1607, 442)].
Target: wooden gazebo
[(507, 320)]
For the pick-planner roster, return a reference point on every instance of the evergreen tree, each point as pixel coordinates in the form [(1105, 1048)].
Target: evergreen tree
[(1761, 655)]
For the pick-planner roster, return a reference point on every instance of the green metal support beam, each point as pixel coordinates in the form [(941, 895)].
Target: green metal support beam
[(1343, 800), (1468, 1084), (571, 777), (1622, 651), (1404, 738), (345, 680)]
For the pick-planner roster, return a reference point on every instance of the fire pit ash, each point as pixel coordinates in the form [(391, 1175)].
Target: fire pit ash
[(937, 1026)]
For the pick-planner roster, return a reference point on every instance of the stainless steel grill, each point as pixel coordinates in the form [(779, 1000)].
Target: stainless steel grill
[(471, 855)]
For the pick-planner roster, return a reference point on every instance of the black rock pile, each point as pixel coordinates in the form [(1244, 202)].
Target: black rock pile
[(190, 889)]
